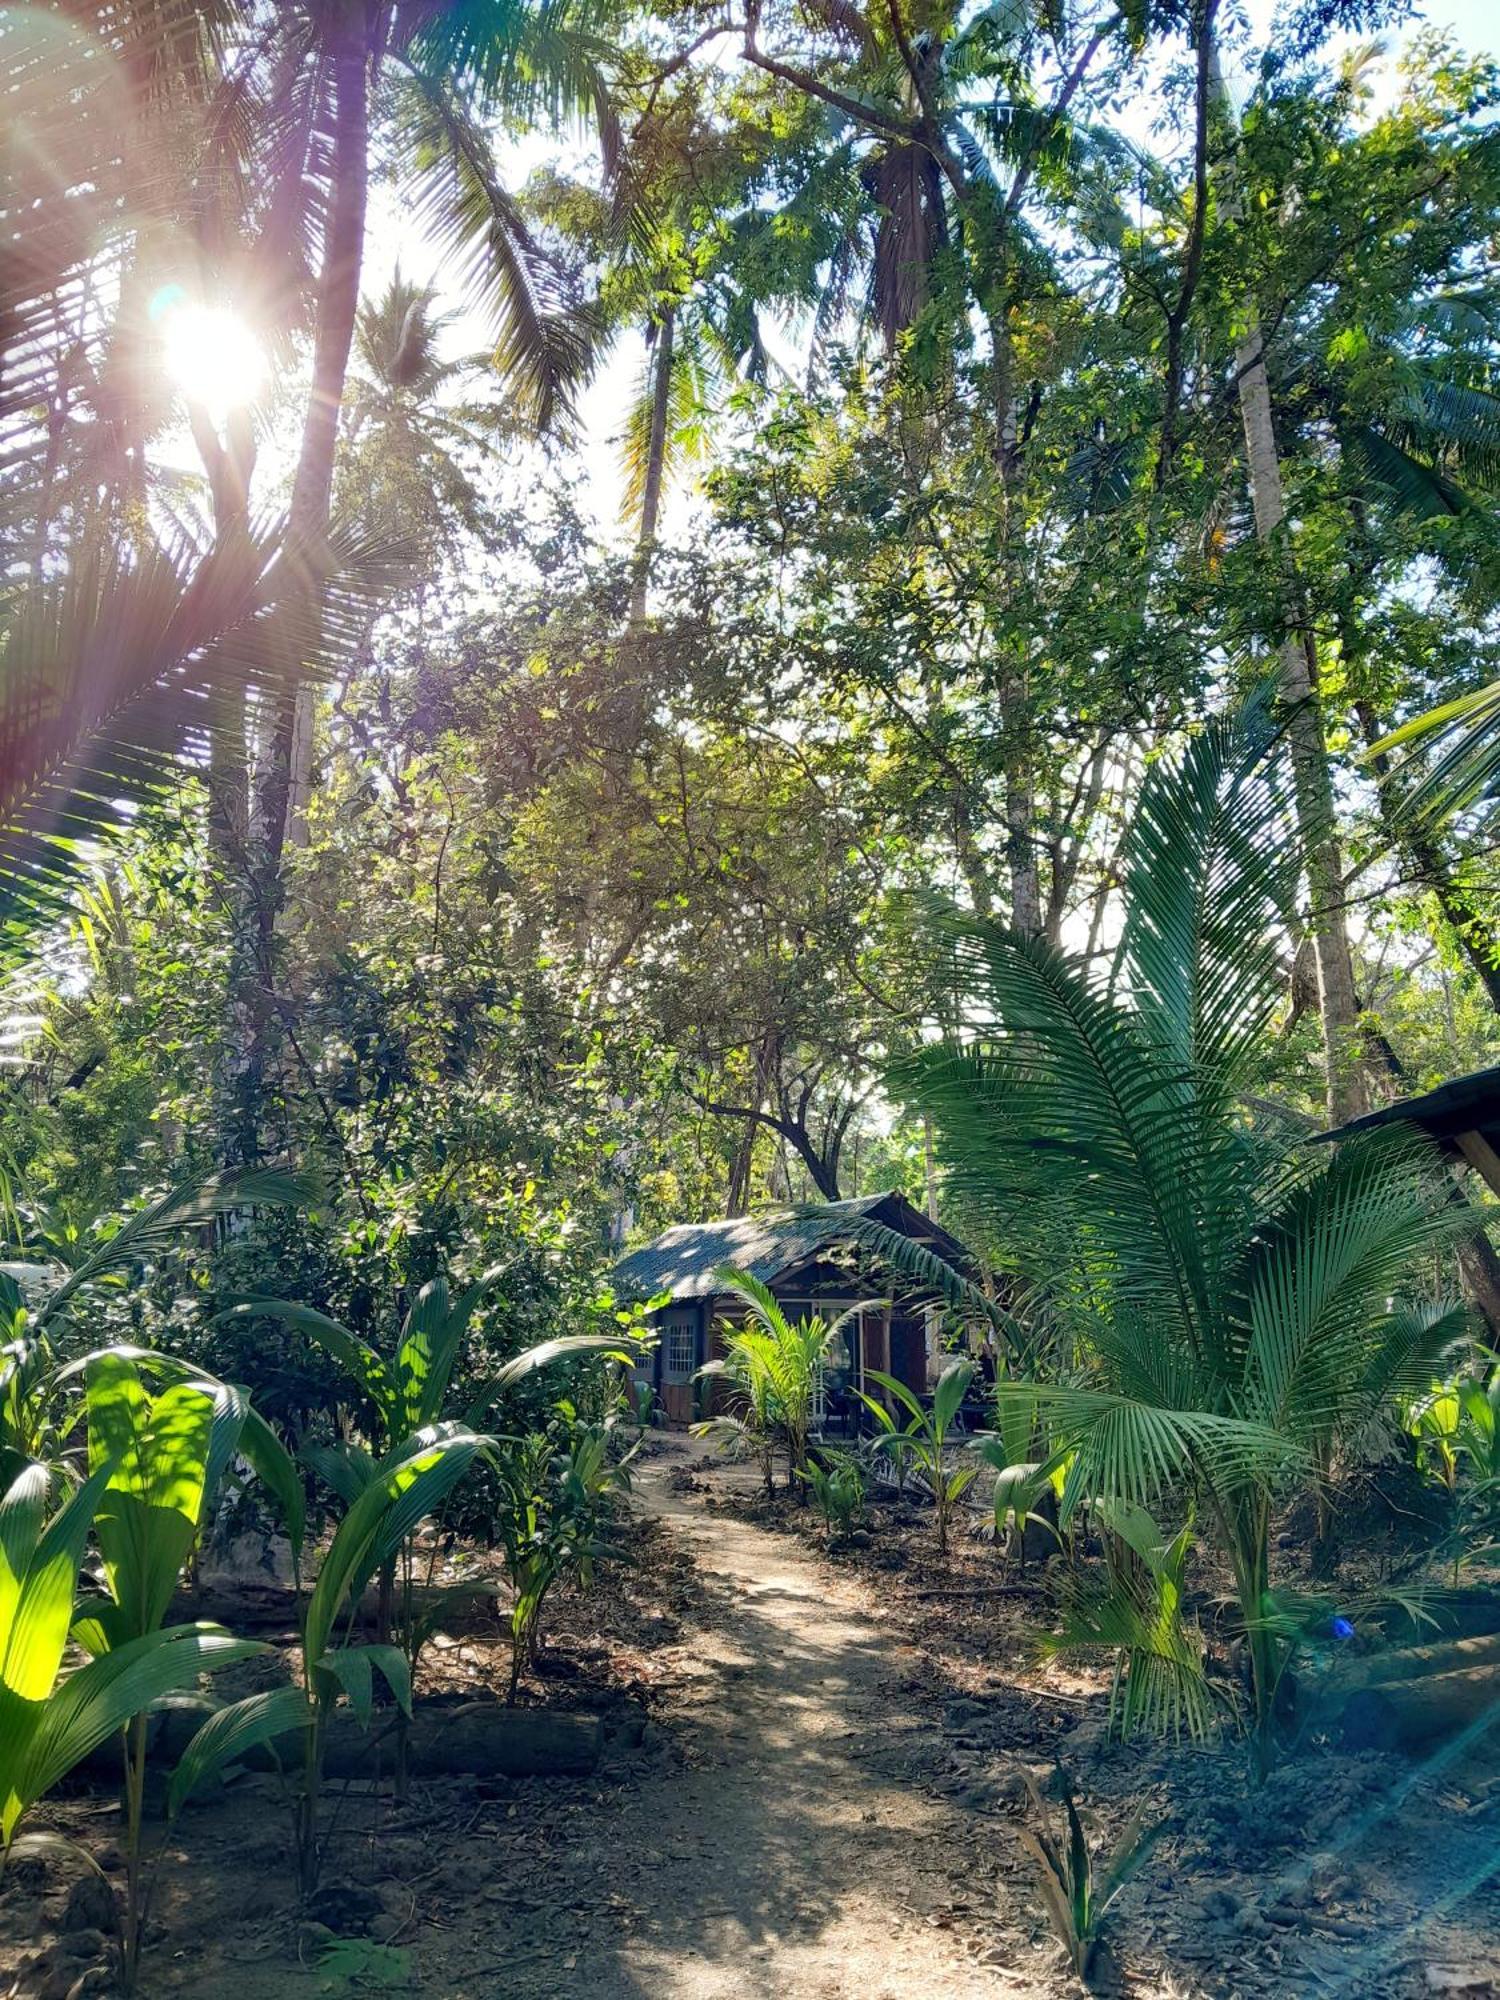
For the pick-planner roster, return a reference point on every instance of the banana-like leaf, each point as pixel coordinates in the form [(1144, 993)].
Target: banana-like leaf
[(362, 1362), (353, 1667), (947, 1397), (899, 1392), (164, 1455), (542, 1356), (37, 1579), (430, 1345), (41, 1739), (347, 1469), (229, 1734), (257, 1443), (412, 1482), (277, 1471)]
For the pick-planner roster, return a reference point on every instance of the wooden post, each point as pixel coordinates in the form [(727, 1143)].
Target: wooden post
[(1481, 1156)]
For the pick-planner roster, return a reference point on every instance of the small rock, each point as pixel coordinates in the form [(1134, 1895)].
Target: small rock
[(345, 1907), (93, 1984), (386, 1926), (82, 1944), (1221, 1904), (313, 1938), (962, 1715), (91, 1906)]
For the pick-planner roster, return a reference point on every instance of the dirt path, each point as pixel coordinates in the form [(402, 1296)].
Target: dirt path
[(783, 1855)]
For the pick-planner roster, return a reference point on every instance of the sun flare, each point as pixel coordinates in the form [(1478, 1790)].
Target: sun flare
[(211, 356)]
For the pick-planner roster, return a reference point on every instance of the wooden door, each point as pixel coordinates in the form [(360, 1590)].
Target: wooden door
[(909, 1352), (681, 1358)]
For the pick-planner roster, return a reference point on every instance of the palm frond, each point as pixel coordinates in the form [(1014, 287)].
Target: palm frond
[(1134, 1609), (544, 336), (1323, 1294), (1211, 877), (1462, 740), (113, 677)]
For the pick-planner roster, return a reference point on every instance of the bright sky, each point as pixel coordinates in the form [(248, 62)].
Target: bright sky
[(1475, 24)]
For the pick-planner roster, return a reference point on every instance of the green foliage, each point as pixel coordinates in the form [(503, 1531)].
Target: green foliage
[(774, 1366), (1077, 1890), (1135, 1611), (839, 1489), (559, 1487), (924, 1440), (1241, 1308), (408, 1484), (1456, 1426), (46, 1725), (359, 1965), (116, 671)]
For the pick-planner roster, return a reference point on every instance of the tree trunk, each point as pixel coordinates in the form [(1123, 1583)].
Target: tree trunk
[(1015, 719), (283, 790), (1317, 822), (288, 778), (656, 459), (229, 463), (1020, 812)]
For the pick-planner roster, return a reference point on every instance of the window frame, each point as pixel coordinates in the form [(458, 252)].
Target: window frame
[(683, 1323)]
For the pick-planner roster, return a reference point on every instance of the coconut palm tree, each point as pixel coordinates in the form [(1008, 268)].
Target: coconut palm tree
[(774, 1365), (117, 673), (1228, 1311), (234, 146)]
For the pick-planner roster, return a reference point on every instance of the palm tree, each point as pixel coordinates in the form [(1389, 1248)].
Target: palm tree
[(775, 1366), (414, 430), (117, 673), (235, 146), (943, 127), (1237, 1309), (440, 76)]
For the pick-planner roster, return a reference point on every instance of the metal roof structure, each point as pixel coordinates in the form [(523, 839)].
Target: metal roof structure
[(1462, 1115), (683, 1260)]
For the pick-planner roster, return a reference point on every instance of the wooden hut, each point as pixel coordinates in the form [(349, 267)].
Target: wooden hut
[(812, 1260)]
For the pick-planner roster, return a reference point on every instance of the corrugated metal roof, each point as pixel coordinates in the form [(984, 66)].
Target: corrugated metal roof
[(682, 1260)]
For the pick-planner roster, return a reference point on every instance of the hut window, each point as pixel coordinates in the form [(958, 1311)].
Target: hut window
[(681, 1349)]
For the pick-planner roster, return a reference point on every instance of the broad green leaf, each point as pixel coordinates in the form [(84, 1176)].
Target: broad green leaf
[(42, 1740), (352, 1353), (37, 1632), (353, 1667), (226, 1736)]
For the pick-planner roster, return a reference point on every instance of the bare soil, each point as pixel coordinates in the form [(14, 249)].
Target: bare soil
[(810, 1790)]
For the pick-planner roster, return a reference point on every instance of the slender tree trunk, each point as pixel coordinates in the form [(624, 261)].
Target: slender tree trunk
[(1018, 736), (288, 778), (229, 463), (656, 460), (1317, 821), (1020, 809), (283, 790)]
